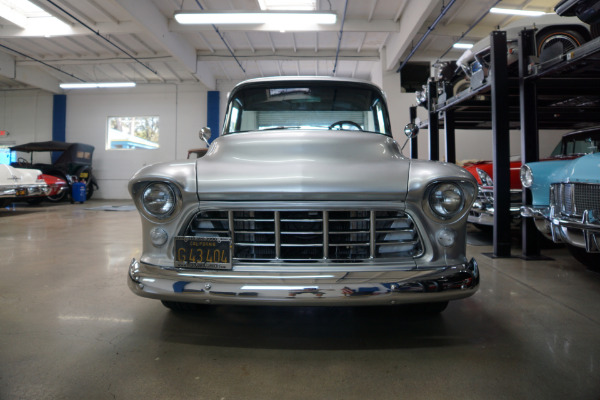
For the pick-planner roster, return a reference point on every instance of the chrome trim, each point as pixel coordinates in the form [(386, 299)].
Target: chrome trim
[(284, 235), (32, 190), (584, 232), (137, 192), (306, 289)]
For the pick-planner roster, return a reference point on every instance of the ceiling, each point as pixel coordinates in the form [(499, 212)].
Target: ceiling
[(138, 40)]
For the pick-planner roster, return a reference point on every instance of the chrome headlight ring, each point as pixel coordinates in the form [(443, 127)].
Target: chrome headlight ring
[(485, 178), (159, 200), (526, 176), (448, 201)]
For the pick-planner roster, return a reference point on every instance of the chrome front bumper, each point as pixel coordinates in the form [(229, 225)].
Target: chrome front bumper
[(33, 190), (305, 289), (584, 233)]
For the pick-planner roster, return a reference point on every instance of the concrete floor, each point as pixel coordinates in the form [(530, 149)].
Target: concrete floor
[(71, 329)]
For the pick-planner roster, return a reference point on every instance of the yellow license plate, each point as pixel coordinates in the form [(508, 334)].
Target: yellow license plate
[(83, 175), (21, 192), (203, 252)]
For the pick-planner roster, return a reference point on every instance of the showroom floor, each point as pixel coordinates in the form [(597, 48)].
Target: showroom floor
[(71, 329)]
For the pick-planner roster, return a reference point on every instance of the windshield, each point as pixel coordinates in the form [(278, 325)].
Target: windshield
[(581, 144), (306, 105)]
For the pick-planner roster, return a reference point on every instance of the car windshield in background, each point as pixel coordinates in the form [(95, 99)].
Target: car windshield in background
[(579, 144), (321, 106)]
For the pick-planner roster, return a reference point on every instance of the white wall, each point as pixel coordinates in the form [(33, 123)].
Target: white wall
[(182, 112), (27, 116)]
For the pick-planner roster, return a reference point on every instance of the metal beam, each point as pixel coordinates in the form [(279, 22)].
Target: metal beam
[(501, 143), (413, 17), (154, 22), (434, 124), (529, 138)]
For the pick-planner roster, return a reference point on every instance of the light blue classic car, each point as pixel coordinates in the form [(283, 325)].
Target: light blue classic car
[(566, 202)]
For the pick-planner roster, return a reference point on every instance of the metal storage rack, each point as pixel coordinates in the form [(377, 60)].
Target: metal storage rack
[(557, 92)]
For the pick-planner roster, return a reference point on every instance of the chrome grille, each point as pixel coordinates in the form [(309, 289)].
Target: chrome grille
[(311, 236), (572, 199)]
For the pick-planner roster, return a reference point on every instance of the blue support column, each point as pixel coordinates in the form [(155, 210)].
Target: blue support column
[(213, 113), (59, 121)]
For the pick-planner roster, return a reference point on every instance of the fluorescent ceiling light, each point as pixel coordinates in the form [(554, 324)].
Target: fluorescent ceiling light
[(250, 17), (462, 45), (509, 11), (299, 5), (96, 85), (33, 20)]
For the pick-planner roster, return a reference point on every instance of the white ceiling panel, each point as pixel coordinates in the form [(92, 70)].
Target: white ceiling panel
[(138, 40)]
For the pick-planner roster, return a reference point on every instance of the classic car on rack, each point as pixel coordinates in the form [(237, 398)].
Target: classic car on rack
[(305, 199), (74, 164), (572, 145), (566, 203), (19, 184), (550, 30)]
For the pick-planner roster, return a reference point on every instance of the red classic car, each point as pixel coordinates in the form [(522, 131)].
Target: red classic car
[(572, 145)]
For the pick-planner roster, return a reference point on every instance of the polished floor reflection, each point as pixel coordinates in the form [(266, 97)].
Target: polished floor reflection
[(71, 329)]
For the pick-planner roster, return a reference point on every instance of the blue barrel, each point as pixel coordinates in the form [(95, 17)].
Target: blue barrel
[(78, 192)]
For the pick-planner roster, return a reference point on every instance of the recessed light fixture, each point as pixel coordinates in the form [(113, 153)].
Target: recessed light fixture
[(462, 45), (509, 11), (96, 85), (256, 17)]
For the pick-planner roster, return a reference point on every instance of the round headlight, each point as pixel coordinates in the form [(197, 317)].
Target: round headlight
[(159, 200), (526, 176), (486, 180), (446, 200)]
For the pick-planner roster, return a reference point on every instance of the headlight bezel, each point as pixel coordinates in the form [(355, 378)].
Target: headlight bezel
[(152, 215), (526, 175), (486, 179), (467, 192)]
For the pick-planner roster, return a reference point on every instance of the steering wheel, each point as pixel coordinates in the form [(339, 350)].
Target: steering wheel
[(22, 162), (342, 123)]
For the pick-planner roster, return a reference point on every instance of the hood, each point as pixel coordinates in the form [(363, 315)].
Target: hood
[(581, 170), (304, 166)]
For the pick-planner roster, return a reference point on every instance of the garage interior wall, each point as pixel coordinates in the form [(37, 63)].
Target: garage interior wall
[(181, 110), (27, 115)]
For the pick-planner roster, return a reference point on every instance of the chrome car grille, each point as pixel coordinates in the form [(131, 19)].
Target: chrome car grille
[(311, 236), (572, 199), (486, 196)]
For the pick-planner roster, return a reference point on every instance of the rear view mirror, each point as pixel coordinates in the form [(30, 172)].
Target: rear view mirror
[(411, 130), (205, 135)]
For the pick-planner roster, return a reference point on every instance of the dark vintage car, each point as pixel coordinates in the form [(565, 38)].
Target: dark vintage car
[(305, 199), (74, 164), (572, 145)]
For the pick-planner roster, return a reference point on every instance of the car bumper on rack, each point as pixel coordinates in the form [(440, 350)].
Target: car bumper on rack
[(305, 289)]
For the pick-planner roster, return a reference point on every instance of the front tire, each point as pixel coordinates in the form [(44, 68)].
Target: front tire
[(590, 260), (430, 308), (570, 39), (177, 306)]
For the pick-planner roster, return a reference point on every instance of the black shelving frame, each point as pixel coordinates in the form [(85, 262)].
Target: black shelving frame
[(558, 93)]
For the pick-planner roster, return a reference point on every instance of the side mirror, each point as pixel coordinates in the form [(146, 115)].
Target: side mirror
[(411, 130), (205, 135)]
